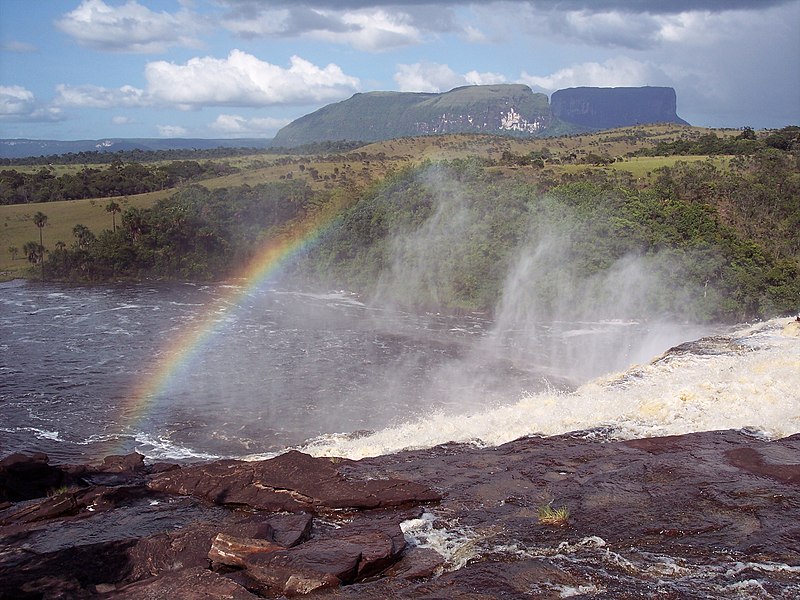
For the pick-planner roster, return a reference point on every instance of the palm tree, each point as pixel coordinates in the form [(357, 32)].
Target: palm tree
[(113, 208), (83, 235), (33, 251), (40, 219)]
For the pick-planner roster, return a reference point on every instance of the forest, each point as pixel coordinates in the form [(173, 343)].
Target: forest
[(713, 241), (117, 179)]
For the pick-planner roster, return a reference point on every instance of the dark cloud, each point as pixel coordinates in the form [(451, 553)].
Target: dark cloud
[(594, 6)]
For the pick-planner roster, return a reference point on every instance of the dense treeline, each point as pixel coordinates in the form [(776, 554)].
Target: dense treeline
[(118, 179), (747, 142), (450, 234), (195, 234), (96, 157)]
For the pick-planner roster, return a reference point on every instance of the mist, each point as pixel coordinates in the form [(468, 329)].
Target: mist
[(557, 317)]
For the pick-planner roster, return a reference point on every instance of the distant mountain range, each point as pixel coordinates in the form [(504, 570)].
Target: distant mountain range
[(510, 109), (21, 148)]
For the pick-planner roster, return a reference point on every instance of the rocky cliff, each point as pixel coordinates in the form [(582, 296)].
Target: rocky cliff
[(384, 115), (504, 109), (606, 108)]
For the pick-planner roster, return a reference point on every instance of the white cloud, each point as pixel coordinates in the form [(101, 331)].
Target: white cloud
[(119, 120), (241, 79), (130, 27), (435, 77), (373, 30), (171, 131), (614, 72), (93, 96), (237, 125), (19, 104), (607, 29), (16, 100), (473, 35), (427, 77), (267, 22), (475, 78)]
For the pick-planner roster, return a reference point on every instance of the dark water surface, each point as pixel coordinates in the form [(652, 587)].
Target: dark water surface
[(281, 367)]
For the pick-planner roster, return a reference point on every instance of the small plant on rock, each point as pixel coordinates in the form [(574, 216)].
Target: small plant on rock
[(557, 517)]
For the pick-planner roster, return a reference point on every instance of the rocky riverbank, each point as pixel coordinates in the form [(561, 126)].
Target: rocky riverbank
[(713, 514)]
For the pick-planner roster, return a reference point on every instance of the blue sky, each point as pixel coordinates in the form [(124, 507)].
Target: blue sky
[(87, 69)]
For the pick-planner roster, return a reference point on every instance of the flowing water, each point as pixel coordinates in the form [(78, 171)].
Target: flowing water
[(333, 375), (86, 371)]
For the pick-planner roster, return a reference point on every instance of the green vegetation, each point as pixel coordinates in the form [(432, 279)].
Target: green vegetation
[(388, 115), (715, 237), (118, 179), (446, 234), (195, 234), (747, 142), (558, 517)]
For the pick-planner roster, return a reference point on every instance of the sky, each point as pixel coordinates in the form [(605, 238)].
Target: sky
[(92, 69)]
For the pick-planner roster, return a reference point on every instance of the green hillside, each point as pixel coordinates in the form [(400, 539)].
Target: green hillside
[(385, 115)]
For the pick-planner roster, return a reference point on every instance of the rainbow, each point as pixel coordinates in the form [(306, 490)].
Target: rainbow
[(179, 353)]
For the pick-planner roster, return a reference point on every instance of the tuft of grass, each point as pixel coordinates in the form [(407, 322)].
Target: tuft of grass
[(58, 491), (557, 517)]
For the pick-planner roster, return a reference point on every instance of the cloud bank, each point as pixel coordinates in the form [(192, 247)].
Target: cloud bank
[(131, 27), (240, 79)]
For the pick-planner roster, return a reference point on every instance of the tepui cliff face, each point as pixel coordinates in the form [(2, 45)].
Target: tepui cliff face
[(510, 109), (605, 108), (383, 115)]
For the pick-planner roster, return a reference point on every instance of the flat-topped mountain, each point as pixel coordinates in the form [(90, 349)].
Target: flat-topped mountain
[(606, 108), (384, 115), (511, 109)]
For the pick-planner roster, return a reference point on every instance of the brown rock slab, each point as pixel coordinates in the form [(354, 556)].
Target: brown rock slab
[(416, 563), (122, 463), (187, 584), (291, 482), (751, 460), (233, 551), (647, 517), (305, 568), (28, 476)]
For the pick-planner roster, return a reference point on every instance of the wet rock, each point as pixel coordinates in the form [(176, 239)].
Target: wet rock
[(27, 476), (234, 551), (353, 552), (711, 514), (286, 530), (751, 460), (187, 584), (291, 482), (123, 463), (56, 506), (417, 563)]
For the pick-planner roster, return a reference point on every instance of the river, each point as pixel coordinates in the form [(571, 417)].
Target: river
[(90, 370)]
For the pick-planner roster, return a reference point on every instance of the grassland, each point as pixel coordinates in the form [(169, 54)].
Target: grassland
[(17, 227), (351, 171)]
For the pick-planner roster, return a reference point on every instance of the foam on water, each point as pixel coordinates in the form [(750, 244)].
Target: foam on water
[(668, 575), (42, 434), (753, 385), (160, 448), (456, 544)]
